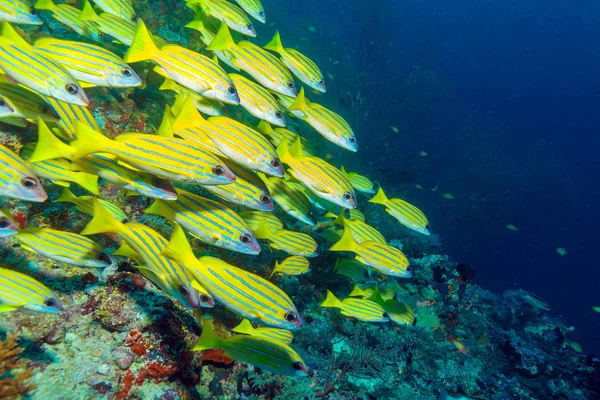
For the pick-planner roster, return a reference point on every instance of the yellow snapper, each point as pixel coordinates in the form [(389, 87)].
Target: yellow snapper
[(407, 214), (60, 171), (122, 29), (361, 309), (148, 244), (24, 64), (207, 35), (18, 12), (322, 178), (351, 269), (121, 8), (289, 197), (247, 190), (89, 63), (69, 16), (164, 157), (254, 218), (278, 134), (69, 114), (294, 243), (258, 101), (8, 227), (356, 214), (242, 292), (17, 179), (18, 291), (227, 13), (294, 265), (261, 65), (361, 232), (85, 204), (204, 105), (19, 102), (209, 221), (399, 313), (300, 65), (279, 335), (359, 182), (254, 8), (366, 293), (329, 124), (264, 353), (67, 247), (186, 67), (386, 259)]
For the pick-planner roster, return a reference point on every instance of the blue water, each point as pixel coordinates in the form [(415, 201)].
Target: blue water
[(504, 99)]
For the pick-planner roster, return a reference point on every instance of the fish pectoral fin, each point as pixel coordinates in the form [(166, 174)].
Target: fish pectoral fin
[(62, 183), (29, 249), (127, 165), (10, 308)]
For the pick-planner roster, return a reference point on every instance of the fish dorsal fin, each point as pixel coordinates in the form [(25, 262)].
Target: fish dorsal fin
[(10, 33), (300, 103), (126, 251), (244, 327), (179, 249), (275, 44), (186, 113), (222, 40)]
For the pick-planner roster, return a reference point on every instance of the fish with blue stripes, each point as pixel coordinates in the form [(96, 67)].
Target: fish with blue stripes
[(254, 8), (276, 334), (293, 243), (121, 29), (398, 312), (18, 12), (227, 13), (361, 309), (242, 292), (359, 182), (209, 221), (147, 245), (69, 16), (17, 179), (20, 291), (121, 8), (386, 259), (167, 158), (254, 218), (204, 105), (85, 204), (261, 65), (258, 101), (207, 34), (385, 294), (190, 69), (68, 247), (303, 67), (8, 227), (261, 352), (291, 266), (18, 102), (24, 64), (290, 198), (404, 212), (89, 63), (361, 231), (69, 114)]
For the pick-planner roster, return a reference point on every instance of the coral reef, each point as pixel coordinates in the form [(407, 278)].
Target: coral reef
[(15, 372)]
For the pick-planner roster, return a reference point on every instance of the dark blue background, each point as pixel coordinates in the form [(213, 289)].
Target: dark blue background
[(508, 111)]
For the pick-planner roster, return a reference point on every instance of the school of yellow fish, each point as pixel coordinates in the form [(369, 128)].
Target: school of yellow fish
[(249, 166)]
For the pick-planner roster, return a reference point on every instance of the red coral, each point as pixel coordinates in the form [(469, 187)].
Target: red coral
[(216, 356), (138, 349), (126, 384), (20, 219), (156, 370)]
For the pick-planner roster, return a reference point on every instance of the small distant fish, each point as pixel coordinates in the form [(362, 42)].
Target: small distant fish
[(596, 308), (18, 291), (576, 346), (312, 29), (395, 129), (292, 266), (330, 75), (562, 251), (335, 62), (512, 227), (448, 196), (460, 346), (7, 225), (280, 335), (537, 302), (433, 189), (419, 187), (404, 212), (423, 153)]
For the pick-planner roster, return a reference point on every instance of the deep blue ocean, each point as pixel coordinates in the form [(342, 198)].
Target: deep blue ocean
[(503, 97)]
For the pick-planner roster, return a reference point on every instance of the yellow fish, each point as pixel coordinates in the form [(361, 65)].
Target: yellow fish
[(17, 179), (204, 105), (292, 266), (407, 214), (18, 291), (69, 16), (289, 197), (207, 35), (278, 134), (254, 8), (279, 335), (352, 269), (294, 243), (359, 182), (8, 227), (121, 8), (361, 232), (18, 102), (85, 204), (361, 309), (254, 218), (227, 13), (18, 12), (258, 101), (448, 196)]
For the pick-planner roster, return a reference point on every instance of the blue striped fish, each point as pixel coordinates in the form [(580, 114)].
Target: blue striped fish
[(18, 12), (207, 35), (7, 225), (121, 8), (386, 259), (261, 65), (89, 63), (276, 334), (122, 29), (69, 114), (60, 170), (186, 67), (262, 352), (254, 8), (17, 179), (361, 232), (18, 291), (19, 102), (294, 243), (227, 13), (209, 221), (361, 309), (404, 212), (292, 266), (359, 182), (258, 101), (242, 292), (67, 247), (254, 218), (172, 277), (351, 269), (23, 64), (368, 292), (400, 313), (69, 16), (290, 198), (247, 190), (164, 157), (204, 105), (85, 204)]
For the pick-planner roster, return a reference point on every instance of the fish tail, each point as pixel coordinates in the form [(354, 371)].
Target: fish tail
[(170, 84), (87, 12), (67, 197), (300, 102), (89, 141), (142, 47), (341, 219), (186, 113), (179, 249), (49, 146), (9, 32), (125, 251), (346, 242), (159, 208), (283, 151), (197, 23), (244, 327), (165, 127), (222, 40), (208, 339), (380, 197), (263, 231), (44, 5), (275, 44), (88, 182), (331, 301), (102, 221), (275, 269), (264, 127)]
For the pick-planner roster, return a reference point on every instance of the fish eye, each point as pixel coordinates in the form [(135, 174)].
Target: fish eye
[(348, 196), (50, 303), (290, 316), (72, 89), (2, 102), (218, 170), (290, 85), (44, 109), (126, 72), (103, 257), (275, 163), (262, 14), (245, 238), (4, 222), (265, 199), (351, 139), (204, 298), (231, 90), (298, 366), (250, 27), (29, 182), (385, 315), (321, 82), (32, 11), (184, 291), (279, 115)]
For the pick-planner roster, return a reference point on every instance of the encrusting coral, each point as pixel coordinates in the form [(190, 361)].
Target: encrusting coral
[(14, 372)]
